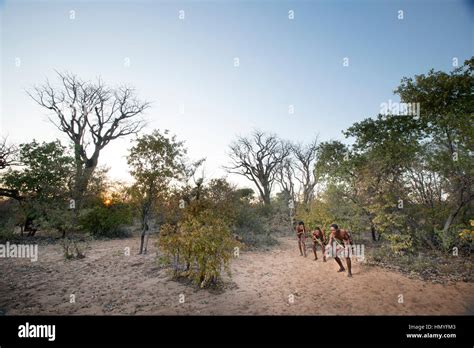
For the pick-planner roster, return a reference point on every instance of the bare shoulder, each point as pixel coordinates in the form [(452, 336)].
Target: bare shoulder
[(345, 233)]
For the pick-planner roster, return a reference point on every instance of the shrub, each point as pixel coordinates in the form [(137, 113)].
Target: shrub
[(252, 227), (199, 248), (6, 232), (467, 235), (459, 236), (400, 244), (55, 218), (10, 217), (73, 248), (106, 221)]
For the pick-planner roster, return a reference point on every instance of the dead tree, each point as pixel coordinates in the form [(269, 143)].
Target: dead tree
[(257, 158), (8, 158), (304, 160), (8, 154), (285, 178)]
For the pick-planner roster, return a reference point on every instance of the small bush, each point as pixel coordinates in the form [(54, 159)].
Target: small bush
[(74, 248), (459, 236), (466, 235), (7, 233), (259, 241), (106, 221), (252, 227), (200, 248), (400, 244)]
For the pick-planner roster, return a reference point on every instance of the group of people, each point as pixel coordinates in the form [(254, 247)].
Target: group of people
[(339, 240)]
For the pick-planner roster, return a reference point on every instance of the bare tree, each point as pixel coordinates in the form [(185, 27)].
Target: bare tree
[(190, 178), (305, 157), (257, 158), (8, 157), (8, 154), (285, 176), (91, 115)]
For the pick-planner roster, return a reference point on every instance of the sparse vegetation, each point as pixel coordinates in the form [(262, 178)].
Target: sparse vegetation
[(405, 184)]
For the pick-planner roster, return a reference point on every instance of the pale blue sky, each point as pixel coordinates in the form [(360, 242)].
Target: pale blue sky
[(189, 62)]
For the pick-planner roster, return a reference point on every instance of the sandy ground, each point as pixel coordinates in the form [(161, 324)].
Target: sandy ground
[(264, 282)]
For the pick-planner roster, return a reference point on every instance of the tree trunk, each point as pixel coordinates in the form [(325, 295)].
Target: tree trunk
[(83, 175), (142, 237), (374, 232), (145, 218), (451, 217), (449, 221), (147, 236), (308, 196), (10, 193), (266, 195)]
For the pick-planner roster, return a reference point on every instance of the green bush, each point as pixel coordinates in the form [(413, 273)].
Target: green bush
[(199, 248), (106, 221), (252, 226), (460, 236), (7, 232), (400, 244), (10, 217)]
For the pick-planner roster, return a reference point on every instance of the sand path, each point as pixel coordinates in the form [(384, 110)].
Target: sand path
[(263, 282)]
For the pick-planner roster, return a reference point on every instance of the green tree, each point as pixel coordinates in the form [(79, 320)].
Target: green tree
[(351, 181), (42, 182), (155, 160), (412, 174), (446, 113)]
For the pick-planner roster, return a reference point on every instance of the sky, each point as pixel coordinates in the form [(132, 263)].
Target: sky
[(186, 66)]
